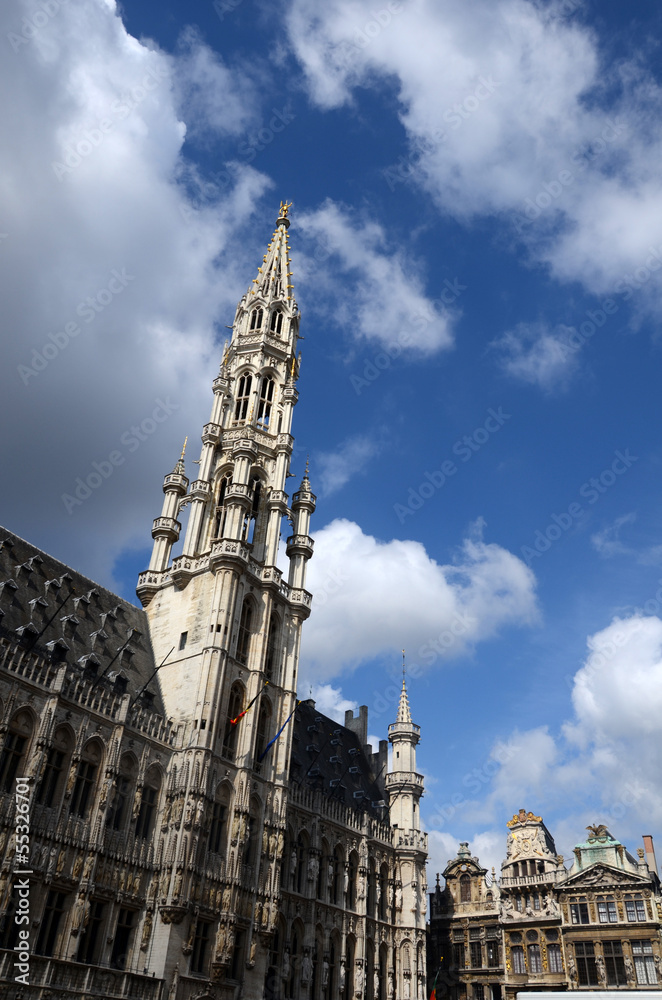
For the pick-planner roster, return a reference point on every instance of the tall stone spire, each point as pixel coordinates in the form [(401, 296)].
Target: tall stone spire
[(230, 682)]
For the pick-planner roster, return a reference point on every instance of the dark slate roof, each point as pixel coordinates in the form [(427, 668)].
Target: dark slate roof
[(61, 614), (328, 757)]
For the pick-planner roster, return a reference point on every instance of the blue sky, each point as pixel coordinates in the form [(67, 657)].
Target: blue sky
[(477, 250)]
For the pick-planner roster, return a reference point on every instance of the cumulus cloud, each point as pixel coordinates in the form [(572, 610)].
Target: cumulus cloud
[(111, 262), (605, 763), (375, 292), (371, 598), (509, 111), (537, 354)]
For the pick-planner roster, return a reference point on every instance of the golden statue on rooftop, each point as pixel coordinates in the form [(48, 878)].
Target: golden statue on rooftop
[(284, 208)]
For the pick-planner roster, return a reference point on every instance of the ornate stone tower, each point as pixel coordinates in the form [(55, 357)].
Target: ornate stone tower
[(405, 787), (230, 677)]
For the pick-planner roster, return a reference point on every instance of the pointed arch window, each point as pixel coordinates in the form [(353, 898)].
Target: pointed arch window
[(148, 804), (277, 321), (263, 731), (244, 635), (250, 520), (14, 750), (243, 397), (235, 705), (271, 661), (265, 402), (52, 778), (86, 777), (256, 319), (219, 823), (221, 511)]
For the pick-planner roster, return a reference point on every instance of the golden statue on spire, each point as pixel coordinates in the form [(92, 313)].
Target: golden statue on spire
[(284, 209)]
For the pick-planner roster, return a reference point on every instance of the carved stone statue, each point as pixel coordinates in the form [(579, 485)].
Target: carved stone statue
[(375, 983), (398, 897), (147, 931), (325, 972), (329, 874), (359, 978), (221, 942), (286, 964), (306, 968), (341, 975), (406, 988), (313, 868)]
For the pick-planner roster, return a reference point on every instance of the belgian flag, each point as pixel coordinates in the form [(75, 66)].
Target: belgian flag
[(433, 995)]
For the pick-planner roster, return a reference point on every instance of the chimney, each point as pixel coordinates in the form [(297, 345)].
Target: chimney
[(650, 854)]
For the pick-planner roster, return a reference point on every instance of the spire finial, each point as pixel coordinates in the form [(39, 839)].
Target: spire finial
[(179, 469), (225, 354), (283, 219), (404, 715)]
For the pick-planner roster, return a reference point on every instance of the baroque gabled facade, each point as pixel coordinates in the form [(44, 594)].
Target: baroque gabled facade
[(545, 927), (195, 831)]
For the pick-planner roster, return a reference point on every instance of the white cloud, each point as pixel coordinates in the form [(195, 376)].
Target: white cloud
[(330, 701), (538, 355), (213, 99), (607, 542), (374, 291), (336, 468), (373, 598), (96, 184), (508, 110), (606, 763)]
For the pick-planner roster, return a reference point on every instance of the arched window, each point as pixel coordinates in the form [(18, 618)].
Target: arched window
[(271, 664), (252, 831), (51, 785), (370, 970), (263, 731), (277, 321), (14, 750), (147, 809), (351, 881), (256, 319), (465, 889), (302, 854), (243, 397), (244, 634), (86, 777), (338, 875), (121, 794), (221, 511), (250, 521), (218, 826), (323, 873), (235, 705), (383, 892), (349, 968), (265, 401), (372, 879)]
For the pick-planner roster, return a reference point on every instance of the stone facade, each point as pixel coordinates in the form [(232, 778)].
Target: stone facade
[(195, 831), (545, 926)]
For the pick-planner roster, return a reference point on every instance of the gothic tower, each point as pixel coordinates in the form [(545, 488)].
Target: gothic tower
[(230, 679), (405, 788)]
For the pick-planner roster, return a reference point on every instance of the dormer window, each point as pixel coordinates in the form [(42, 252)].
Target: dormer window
[(243, 396), (256, 319), (265, 401), (277, 321)]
